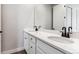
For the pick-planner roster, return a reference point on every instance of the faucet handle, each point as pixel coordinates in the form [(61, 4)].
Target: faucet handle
[(69, 30)]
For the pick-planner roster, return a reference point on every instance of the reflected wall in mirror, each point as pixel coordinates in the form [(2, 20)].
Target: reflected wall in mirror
[(43, 16), (62, 16), (74, 13), (58, 16), (75, 17)]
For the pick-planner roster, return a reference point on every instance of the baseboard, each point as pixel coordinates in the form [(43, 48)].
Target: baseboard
[(13, 50)]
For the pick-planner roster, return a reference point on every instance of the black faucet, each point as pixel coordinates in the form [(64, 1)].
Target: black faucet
[(64, 31), (69, 29), (68, 33)]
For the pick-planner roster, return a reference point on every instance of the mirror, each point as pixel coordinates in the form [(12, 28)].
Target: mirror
[(62, 16), (56, 16)]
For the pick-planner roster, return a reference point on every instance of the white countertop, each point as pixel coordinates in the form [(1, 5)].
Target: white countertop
[(43, 35)]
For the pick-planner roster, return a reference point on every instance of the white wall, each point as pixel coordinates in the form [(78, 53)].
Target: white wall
[(74, 22), (58, 16), (25, 20), (75, 17), (76, 6), (43, 16), (16, 18), (0, 16), (9, 27)]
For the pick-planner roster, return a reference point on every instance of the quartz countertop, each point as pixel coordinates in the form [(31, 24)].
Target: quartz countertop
[(72, 48)]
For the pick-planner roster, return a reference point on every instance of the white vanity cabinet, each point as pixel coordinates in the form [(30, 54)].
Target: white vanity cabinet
[(34, 45), (29, 43)]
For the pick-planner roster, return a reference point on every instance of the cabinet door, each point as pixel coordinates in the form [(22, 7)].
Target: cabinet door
[(26, 41), (47, 49), (38, 51), (32, 45)]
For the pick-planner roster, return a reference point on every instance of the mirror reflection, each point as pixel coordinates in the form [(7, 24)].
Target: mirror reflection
[(56, 16)]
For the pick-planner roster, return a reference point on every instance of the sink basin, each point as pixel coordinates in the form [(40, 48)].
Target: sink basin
[(61, 39)]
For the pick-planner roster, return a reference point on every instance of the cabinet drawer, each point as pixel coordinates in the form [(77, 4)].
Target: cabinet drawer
[(32, 39), (31, 49), (46, 48)]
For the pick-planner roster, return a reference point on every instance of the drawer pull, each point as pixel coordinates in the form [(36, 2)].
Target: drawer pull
[(1, 31), (31, 46), (31, 38), (25, 38)]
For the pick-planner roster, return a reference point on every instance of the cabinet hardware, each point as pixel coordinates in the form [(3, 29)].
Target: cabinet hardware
[(31, 38), (31, 46), (1, 31), (64, 17), (25, 38)]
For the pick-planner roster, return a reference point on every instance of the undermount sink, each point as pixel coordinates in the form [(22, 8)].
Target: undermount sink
[(61, 39)]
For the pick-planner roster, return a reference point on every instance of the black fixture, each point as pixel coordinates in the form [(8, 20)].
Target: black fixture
[(64, 31), (36, 29), (69, 29), (66, 34)]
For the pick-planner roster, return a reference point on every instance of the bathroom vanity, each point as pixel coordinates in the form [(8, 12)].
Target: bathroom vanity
[(33, 45), (40, 42), (51, 41)]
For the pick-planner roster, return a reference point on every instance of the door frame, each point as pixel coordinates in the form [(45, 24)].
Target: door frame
[(0, 29)]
